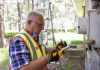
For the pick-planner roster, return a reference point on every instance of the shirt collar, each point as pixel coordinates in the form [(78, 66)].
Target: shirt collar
[(36, 37)]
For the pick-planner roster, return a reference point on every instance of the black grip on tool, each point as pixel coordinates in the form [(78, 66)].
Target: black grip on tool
[(54, 56), (61, 45)]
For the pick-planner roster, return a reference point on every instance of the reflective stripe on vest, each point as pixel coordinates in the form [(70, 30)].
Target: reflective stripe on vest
[(32, 45)]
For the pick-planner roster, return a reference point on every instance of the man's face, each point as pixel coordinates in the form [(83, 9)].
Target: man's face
[(37, 24)]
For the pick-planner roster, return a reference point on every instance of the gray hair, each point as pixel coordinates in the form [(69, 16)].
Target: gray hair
[(32, 15)]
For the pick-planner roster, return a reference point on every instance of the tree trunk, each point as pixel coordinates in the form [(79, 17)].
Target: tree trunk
[(1, 21), (28, 6), (19, 15), (32, 4)]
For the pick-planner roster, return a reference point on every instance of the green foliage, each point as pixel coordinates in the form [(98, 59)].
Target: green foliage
[(10, 34), (77, 42), (72, 30)]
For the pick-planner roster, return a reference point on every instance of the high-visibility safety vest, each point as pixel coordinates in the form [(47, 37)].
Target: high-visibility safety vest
[(32, 45)]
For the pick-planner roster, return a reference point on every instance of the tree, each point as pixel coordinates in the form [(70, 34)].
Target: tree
[(32, 4), (1, 21), (19, 14)]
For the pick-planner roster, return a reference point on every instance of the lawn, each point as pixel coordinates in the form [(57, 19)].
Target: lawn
[(70, 38), (4, 57)]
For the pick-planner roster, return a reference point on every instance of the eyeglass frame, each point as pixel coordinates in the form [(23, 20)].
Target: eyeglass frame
[(39, 24)]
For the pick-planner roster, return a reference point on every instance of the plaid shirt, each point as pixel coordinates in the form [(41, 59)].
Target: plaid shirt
[(19, 53)]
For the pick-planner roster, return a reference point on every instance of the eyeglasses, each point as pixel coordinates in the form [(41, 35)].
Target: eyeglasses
[(39, 24)]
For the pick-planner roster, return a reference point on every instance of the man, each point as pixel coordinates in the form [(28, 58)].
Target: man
[(26, 51)]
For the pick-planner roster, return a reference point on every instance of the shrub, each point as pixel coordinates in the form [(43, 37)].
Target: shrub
[(10, 34), (72, 30), (77, 42)]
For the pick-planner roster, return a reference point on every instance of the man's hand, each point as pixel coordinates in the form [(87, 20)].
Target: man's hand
[(55, 55), (61, 45)]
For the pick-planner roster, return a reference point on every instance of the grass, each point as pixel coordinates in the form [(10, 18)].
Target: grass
[(4, 57), (9, 34), (70, 38), (69, 42), (77, 42)]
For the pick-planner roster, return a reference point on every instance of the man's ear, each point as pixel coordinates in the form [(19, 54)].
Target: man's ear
[(29, 21)]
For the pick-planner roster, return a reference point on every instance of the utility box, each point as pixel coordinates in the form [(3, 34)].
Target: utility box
[(82, 25), (94, 28), (93, 22)]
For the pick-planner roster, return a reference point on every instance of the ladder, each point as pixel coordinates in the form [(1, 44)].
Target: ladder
[(45, 9)]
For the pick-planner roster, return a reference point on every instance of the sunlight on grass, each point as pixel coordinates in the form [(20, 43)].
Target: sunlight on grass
[(70, 38), (4, 57)]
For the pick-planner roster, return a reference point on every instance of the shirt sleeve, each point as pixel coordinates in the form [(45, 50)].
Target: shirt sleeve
[(19, 53)]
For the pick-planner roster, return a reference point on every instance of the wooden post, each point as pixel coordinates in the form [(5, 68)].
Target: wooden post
[(84, 35)]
